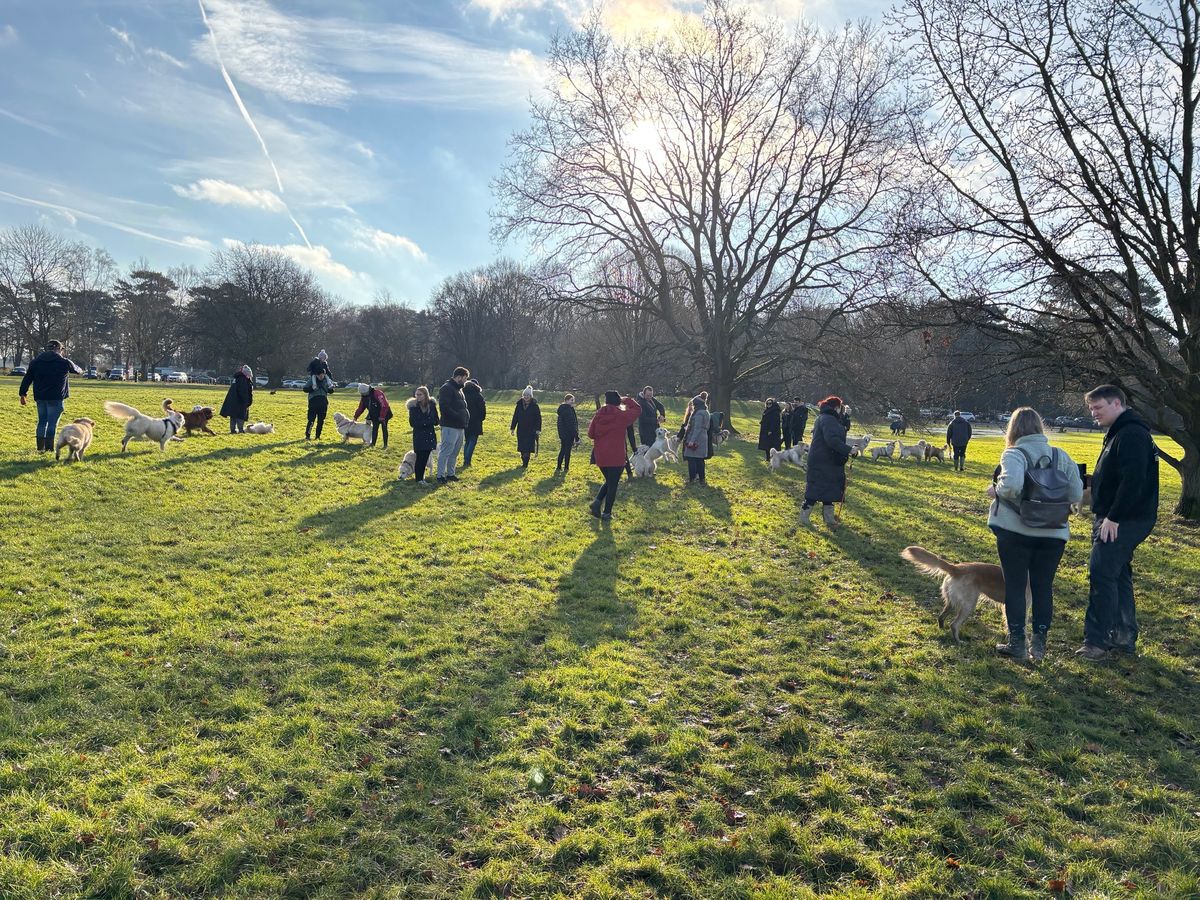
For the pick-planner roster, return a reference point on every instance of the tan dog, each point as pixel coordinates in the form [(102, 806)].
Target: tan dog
[(408, 465), (938, 453), (883, 451), (962, 586), (77, 436), (913, 451)]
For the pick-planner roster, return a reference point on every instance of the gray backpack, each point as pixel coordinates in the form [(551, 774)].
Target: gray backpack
[(1044, 502)]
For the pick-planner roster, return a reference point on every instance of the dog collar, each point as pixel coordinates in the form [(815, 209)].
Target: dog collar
[(170, 423)]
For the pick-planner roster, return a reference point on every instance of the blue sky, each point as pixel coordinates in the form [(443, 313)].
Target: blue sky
[(383, 122)]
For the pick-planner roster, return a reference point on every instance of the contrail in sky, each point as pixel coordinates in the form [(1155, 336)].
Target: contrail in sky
[(249, 121)]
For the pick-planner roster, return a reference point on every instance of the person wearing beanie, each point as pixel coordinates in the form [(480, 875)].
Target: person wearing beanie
[(527, 425), (48, 374), (695, 440), (378, 412), (568, 433), (825, 480), (319, 388), (607, 431), (238, 400), (477, 412), (320, 363)]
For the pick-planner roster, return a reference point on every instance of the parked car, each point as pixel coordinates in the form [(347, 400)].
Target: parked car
[(968, 416), (177, 377), (202, 379), (18, 370), (894, 415), (261, 380), (295, 384), (225, 379), (91, 372), (116, 375), (1085, 422), (153, 376)]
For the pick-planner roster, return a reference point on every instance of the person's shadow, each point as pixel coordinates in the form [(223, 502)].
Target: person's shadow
[(504, 476), (587, 604)]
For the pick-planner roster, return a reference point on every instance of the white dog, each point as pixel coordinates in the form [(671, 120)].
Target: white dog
[(883, 451), (348, 428), (913, 451), (644, 465), (408, 465), (795, 455), (261, 428), (139, 426), (722, 437), (663, 448), (859, 444)]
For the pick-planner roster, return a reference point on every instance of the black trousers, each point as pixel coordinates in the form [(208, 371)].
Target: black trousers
[(608, 491), (422, 462), (1111, 618), (376, 427), (317, 408), (695, 468), (960, 456), (1032, 560), (564, 456)]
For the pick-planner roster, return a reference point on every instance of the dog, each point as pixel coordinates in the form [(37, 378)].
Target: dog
[(883, 451), (797, 454), (348, 428), (662, 448), (408, 465), (261, 428), (722, 437), (198, 419), (938, 453), (859, 444), (644, 465), (962, 585), (77, 436), (141, 427), (1085, 502), (913, 451)]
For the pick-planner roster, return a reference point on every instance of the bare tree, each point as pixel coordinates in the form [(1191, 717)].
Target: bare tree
[(36, 269), (737, 165), (1062, 148)]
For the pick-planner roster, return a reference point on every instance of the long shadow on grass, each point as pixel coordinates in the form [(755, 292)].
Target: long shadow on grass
[(15, 468), (504, 476), (347, 519), (222, 453)]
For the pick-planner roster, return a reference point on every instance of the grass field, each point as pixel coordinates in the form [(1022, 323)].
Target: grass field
[(254, 667)]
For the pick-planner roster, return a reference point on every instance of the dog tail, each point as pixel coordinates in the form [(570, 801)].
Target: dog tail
[(929, 563), (120, 410), (166, 405)]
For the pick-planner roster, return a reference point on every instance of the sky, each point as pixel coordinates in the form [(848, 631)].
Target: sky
[(359, 137)]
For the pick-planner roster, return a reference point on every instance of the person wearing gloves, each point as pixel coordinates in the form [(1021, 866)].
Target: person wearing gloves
[(607, 431), (378, 412), (568, 433), (527, 425), (238, 400)]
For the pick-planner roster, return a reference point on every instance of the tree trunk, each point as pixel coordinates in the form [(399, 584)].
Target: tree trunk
[(1189, 497), (720, 391)]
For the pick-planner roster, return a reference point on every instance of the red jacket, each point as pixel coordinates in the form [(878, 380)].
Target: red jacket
[(607, 431), (385, 411)]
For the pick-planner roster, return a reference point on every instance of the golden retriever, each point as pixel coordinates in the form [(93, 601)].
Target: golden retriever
[(77, 436), (962, 585)]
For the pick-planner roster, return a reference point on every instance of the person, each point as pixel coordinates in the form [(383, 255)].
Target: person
[(607, 431), (799, 420), (568, 433), (527, 425), (319, 387), (238, 400), (49, 374), (785, 424), (423, 417), (716, 421), (477, 412), (825, 481), (1125, 504), (769, 437), (653, 415), (845, 417), (456, 416), (1028, 555), (958, 434), (696, 441), (378, 411), (903, 424), (319, 364)]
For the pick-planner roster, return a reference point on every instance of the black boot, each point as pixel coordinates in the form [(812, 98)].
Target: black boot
[(41, 443), (1014, 648)]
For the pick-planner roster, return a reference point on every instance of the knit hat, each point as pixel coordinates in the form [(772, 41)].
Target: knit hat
[(612, 398), (527, 394), (363, 388), (699, 400), (248, 372), (322, 356)]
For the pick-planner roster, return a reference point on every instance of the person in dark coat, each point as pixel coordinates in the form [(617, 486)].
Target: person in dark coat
[(568, 433), (49, 375), (716, 421), (319, 364), (769, 434), (423, 417), (527, 424), (319, 387), (379, 412), (785, 425), (653, 414), (238, 400), (958, 434), (607, 431), (799, 420), (452, 405), (825, 481), (477, 410), (696, 442)]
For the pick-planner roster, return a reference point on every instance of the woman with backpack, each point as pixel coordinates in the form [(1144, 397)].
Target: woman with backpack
[(423, 417), (378, 412), (1032, 492)]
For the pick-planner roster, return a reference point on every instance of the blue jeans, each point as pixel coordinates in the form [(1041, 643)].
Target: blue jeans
[(1111, 619), (469, 443), (48, 416), (447, 460)]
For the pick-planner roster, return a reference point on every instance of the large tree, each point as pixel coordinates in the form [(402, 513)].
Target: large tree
[(736, 164), (151, 318), (1062, 144)]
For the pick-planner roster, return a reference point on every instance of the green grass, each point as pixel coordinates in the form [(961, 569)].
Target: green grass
[(251, 667)]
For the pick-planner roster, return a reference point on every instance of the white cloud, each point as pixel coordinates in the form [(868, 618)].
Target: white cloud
[(8, 35), (317, 258), (123, 37), (166, 57), (72, 214), (384, 242), (363, 149), (213, 190), (196, 243), (627, 17), (30, 123)]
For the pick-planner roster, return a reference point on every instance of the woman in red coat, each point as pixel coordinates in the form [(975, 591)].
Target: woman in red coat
[(607, 431)]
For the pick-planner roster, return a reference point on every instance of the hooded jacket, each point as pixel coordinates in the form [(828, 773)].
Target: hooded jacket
[(568, 424), (1125, 481), (607, 431), (769, 434), (958, 432), (476, 408), (385, 409), (239, 397), (825, 481), (1010, 482), (453, 404), (423, 422), (527, 420), (48, 373)]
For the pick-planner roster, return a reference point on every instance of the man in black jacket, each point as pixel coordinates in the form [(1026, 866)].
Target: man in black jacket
[(799, 420), (48, 374), (958, 435), (652, 415), (1125, 503), (455, 418), (476, 413)]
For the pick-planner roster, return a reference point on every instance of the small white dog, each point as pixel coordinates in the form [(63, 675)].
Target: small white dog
[(261, 428), (859, 444), (408, 465), (883, 451), (644, 465), (348, 428), (795, 455), (139, 426), (913, 451), (663, 448)]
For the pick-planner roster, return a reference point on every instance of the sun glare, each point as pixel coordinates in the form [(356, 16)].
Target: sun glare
[(643, 140)]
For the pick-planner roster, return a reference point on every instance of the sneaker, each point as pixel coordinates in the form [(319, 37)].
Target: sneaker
[(1037, 646), (425, 482), (1092, 653)]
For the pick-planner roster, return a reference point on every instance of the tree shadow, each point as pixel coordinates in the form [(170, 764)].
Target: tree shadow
[(713, 499), (320, 455), (345, 520), (15, 468)]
